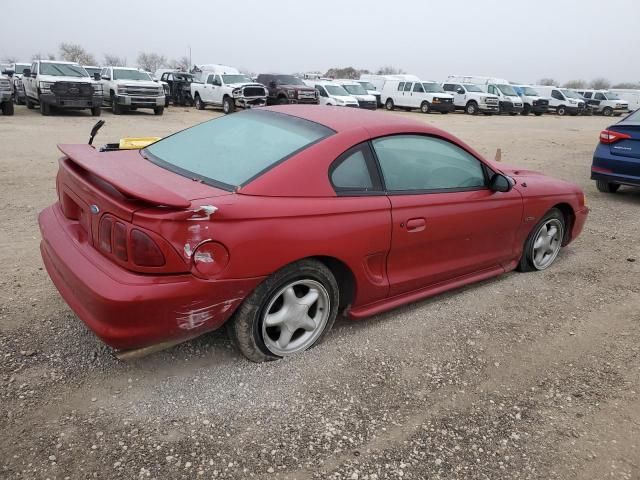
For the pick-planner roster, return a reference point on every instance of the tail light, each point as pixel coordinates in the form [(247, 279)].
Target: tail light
[(104, 237), (120, 241), (144, 251), (210, 258), (610, 136)]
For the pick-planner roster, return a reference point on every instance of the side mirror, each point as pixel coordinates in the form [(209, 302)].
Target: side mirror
[(460, 91), (500, 183), (96, 76)]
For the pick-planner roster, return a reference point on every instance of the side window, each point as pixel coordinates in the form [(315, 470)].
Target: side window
[(321, 91), (34, 67), (422, 163), (407, 86), (418, 88), (401, 86), (493, 90), (557, 95), (448, 87), (210, 79), (351, 172), (600, 96)]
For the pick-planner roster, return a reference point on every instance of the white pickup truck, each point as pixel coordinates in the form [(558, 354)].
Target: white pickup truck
[(226, 87), (6, 95), (61, 85), (129, 89)]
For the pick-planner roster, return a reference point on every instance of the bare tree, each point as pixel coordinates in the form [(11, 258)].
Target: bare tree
[(9, 59), (629, 85), (389, 70), (575, 84), (151, 61), (114, 61), (346, 72), (181, 64), (40, 56), (547, 82), (73, 52), (600, 83)]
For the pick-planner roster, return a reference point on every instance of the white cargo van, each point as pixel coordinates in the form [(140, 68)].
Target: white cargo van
[(356, 90), (532, 100), (629, 95), (471, 98), (509, 101), (562, 100), (371, 90), (330, 93), (411, 92), (605, 102)]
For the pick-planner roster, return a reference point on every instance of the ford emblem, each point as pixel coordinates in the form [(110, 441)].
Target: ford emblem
[(94, 209)]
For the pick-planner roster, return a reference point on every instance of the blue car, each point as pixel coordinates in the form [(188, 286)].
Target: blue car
[(616, 160)]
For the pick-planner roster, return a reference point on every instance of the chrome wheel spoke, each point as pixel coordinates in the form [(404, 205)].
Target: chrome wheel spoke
[(285, 337), (310, 298), (275, 319)]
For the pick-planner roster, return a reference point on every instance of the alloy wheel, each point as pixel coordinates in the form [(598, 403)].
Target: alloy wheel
[(295, 317), (547, 243)]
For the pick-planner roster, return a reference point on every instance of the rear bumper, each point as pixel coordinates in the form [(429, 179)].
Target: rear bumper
[(616, 178), (142, 102), (442, 107), (127, 310), (614, 168), (64, 102)]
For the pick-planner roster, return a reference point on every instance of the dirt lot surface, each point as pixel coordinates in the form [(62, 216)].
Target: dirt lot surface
[(527, 376)]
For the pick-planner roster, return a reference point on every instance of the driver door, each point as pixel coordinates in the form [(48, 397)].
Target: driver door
[(446, 223)]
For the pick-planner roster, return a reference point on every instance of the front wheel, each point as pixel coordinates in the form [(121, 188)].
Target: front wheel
[(389, 104), (425, 107), (199, 103), (228, 106), (116, 109), (607, 187), (526, 110), (543, 243), (7, 108), (471, 108), (290, 312), (561, 110), (28, 103), (96, 111), (607, 112), (45, 109), (158, 110)]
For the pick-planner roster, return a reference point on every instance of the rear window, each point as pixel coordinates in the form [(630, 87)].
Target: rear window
[(633, 119), (232, 150)]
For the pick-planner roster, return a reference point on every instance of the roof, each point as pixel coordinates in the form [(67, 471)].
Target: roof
[(57, 61), (342, 119)]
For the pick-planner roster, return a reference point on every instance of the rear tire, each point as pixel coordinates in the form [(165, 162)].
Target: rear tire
[(228, 106), (607, 187), (257, 341), (541, 249), (471, 108), (283, 101), (389, 104)]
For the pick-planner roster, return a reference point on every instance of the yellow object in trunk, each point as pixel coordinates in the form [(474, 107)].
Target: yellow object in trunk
[(136, 143)]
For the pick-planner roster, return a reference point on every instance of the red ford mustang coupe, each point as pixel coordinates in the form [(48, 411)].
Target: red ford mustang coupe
[(274, 220)]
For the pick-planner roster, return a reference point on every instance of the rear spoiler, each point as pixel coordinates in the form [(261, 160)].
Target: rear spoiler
[(113, 168)]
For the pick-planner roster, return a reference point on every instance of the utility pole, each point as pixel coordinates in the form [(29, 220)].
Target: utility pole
[(190, 64)]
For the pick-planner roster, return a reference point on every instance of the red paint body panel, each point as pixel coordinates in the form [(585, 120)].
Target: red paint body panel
[(399, 248)]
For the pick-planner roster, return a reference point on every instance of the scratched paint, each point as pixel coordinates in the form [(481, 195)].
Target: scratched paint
[(193, 316), (203, 213)]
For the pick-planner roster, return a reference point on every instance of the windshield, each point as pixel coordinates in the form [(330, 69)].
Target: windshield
[(472, 88), (336, 90), (611, 96), (570, 94), (355, 89), (288, 80), (20, 67), (230, 151), (62, 70), (121, 74), (507, 90), (236, 79), (530, 92), (433, 88), (367, 85), (92, 70)]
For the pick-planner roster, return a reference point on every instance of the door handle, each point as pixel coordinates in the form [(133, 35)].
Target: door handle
[(416, 225)]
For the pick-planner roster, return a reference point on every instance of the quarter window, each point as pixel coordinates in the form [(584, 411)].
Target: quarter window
[(401, 86), (351, 172), (414, 163)]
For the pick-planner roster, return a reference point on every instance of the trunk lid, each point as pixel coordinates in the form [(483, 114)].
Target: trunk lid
[(628, 147)]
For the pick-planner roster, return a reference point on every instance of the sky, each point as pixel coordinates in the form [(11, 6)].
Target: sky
[(516, 40)]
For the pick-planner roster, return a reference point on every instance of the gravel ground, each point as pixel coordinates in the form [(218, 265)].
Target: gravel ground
[(527, 376)]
